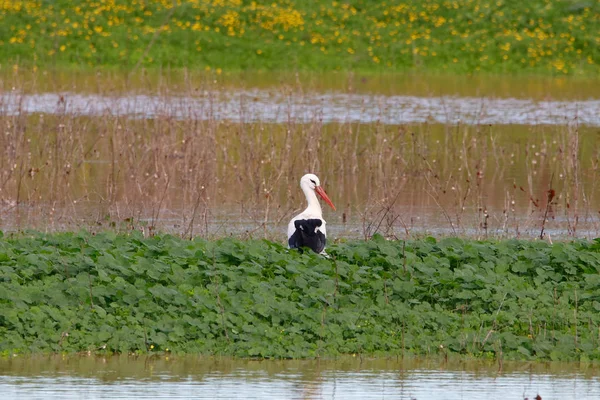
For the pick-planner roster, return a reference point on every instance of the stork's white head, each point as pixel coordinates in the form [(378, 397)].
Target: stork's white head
[(311, 182)]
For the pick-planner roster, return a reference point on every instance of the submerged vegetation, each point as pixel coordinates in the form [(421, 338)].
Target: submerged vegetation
[(513, 299), (557, 37)]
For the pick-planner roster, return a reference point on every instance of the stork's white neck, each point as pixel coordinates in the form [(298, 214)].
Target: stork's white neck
[(314, 207)]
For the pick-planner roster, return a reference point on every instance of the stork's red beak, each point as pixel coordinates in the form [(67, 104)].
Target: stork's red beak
[(324, 196)]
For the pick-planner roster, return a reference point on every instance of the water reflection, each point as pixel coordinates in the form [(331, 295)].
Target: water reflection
[(347, 378)]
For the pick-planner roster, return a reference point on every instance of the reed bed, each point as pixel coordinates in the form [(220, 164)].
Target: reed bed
[(194, 175)]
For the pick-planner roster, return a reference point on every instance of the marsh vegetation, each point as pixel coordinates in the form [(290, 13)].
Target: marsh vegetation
[(182, 170), (445, 206), (130, 294)]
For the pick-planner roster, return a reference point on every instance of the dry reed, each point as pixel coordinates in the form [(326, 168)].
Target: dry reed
[(204, 176)]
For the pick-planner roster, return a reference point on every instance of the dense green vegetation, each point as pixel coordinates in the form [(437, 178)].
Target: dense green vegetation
[(547, 36), (68, 292)]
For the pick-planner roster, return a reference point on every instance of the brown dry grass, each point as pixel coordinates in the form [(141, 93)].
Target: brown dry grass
[(211, 177)]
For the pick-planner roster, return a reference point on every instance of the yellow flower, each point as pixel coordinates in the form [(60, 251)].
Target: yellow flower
[(559, 65)]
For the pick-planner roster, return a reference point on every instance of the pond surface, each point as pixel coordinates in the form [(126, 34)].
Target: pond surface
[(260, 105), (347, 378)]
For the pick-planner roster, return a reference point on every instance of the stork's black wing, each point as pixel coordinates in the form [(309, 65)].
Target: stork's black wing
[(307, 235)]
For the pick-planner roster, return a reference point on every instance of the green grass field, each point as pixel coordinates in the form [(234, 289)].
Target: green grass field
[(107, 293), (540, 36)]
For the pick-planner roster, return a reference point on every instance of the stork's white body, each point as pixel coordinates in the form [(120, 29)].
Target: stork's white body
[(310, 231)]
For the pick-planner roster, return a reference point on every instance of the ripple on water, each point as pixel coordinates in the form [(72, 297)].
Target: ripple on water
[(271, 106), (289, 383)]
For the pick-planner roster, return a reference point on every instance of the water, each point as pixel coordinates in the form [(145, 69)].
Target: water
[(275, 107), (347, 378)]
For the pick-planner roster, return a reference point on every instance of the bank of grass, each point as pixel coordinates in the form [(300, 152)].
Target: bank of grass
[(540, 36), (77, 292)]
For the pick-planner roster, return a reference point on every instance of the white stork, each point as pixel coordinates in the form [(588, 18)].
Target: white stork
[(307, 229)]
